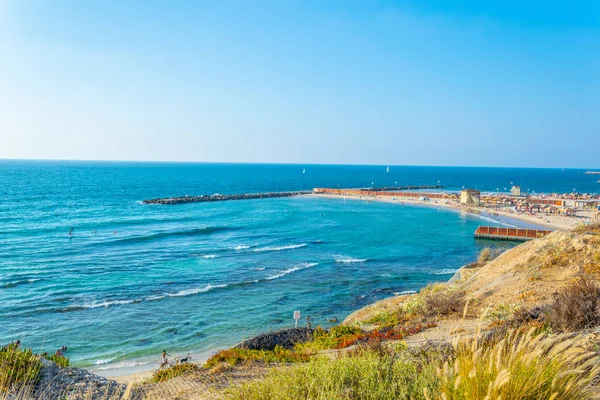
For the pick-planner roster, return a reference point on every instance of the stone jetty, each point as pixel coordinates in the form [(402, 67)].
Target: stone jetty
[(224, 197)]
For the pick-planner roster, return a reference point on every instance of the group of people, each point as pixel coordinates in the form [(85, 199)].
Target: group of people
[(164, 362)]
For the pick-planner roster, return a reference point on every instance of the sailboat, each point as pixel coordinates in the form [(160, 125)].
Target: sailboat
[(388, 169), (304, 171)]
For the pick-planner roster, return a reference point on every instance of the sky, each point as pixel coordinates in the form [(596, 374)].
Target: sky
[(415, 82)]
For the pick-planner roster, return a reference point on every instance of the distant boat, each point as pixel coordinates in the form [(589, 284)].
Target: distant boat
[(304, 171), (388, 169)]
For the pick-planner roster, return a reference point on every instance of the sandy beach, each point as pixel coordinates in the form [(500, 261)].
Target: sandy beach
[(547, 221)]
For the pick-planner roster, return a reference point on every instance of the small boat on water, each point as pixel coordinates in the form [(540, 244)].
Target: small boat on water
[(388, 169), (304, 171)]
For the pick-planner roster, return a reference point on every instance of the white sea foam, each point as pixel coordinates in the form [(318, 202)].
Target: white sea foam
[(241, 247), (182, 293), (444, 271), (210, 256), (189, 292), (290, 270), (259, 269), (280, 248), (102, 362), (489, 219), (129, 364), (349, 260), (108, 303), (405, 292)]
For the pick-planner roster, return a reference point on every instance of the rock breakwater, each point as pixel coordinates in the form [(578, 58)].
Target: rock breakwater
[(223, 197)]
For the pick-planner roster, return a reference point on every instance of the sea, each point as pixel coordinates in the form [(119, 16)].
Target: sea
[(134, 279)]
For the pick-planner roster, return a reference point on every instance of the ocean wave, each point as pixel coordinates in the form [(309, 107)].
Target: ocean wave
[(241, 247), (129, 364), (210, 256), (290, 270), (189, 292), (490, 219), (108, 303), (405, 292), (102, 362), (259, 269), (280, 248), (13, 284), (349, 260), (155, 236), (444, 272)]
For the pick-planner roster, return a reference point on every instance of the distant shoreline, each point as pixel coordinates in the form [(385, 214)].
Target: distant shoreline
[(553, 222)]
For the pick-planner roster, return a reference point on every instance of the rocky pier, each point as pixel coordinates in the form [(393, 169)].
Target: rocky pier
[(224, 197)]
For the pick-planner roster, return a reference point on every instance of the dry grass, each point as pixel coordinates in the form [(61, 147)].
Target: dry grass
[(445, 302), (484, 256), (575, 307), (523, 366)]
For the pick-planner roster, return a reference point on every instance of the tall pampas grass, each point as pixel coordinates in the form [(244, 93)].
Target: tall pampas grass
[(520, 366)]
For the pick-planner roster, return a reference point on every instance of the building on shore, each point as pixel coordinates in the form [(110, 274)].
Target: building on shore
[(470, 197), (596, 216), (515, 191)]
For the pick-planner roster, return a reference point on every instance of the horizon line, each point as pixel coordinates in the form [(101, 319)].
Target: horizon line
[(282, 163)]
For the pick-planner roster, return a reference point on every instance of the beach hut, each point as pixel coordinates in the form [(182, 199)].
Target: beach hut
[(566, 211), (515, 191)]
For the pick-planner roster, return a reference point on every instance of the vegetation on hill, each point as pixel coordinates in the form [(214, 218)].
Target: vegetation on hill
[(19, 368)]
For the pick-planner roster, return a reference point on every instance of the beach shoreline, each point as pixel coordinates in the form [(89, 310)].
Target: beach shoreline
[(552, 221)]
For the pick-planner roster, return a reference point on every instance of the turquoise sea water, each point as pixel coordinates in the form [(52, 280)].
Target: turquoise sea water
[(197, 277)]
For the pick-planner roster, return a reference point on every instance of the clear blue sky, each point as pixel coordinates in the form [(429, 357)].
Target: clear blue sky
[(500, 83)]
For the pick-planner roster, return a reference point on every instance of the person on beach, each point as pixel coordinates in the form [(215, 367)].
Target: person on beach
[(308, 322), (71, 231), (186, 359), (164, 361)]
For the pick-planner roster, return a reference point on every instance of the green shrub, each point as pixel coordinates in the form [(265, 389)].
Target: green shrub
[(385, 318), (165, 374), (363, 374), (237, 355), (332, 339), (518, 366), (62, 361), (19, 368)]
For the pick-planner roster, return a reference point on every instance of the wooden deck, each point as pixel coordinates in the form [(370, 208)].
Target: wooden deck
[(500, 233)]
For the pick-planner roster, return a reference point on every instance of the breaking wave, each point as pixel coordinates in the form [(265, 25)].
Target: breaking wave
[(290, 270), (280, 248), (349, 260), (444, 272)]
